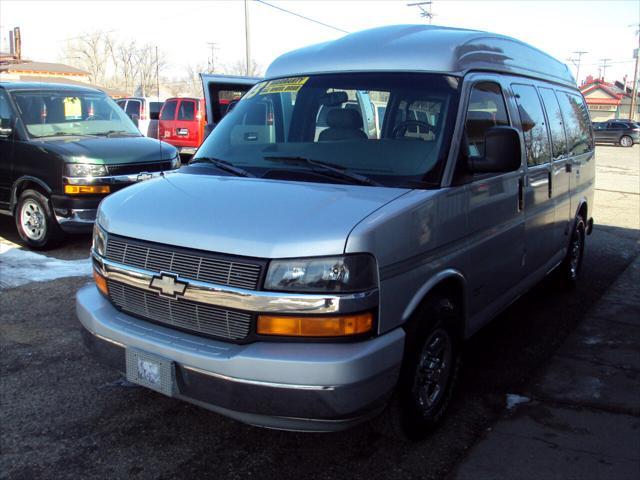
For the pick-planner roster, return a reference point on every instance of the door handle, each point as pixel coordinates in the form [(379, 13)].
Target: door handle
[(521, 194)]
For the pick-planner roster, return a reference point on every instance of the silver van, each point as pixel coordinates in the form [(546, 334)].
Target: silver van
[(308, 280)]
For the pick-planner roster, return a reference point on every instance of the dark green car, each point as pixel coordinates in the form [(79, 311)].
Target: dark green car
[(62, 150)]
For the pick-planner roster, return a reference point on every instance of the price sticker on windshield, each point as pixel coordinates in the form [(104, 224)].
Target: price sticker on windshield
[(284, 85)]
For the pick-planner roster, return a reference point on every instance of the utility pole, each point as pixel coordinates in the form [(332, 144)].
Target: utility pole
[(157, 75), (212, 60), (634, 91), (247, 37), (579, 53), (425, 9), (604, 67)]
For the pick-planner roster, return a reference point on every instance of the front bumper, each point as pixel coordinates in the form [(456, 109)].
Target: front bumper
[(291, 386)]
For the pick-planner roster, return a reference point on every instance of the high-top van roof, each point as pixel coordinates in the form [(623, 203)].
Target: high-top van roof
[(422, 48)]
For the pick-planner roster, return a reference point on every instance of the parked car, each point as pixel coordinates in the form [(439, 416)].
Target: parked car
[(309, 282), (623, 133), (182, 122), (62, 150), (144, 112)]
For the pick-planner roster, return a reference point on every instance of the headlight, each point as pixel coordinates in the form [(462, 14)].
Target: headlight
[(99, 240), (349, 273), (85, 170)]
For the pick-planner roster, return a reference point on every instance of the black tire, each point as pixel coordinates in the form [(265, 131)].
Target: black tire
[(43, 232), (571, 266), (409, 415), (626, 141)]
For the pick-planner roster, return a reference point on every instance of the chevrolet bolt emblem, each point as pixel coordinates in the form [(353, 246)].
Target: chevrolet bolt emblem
[(143, 176), (168, 285)]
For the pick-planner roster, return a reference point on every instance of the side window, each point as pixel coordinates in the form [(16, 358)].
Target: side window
[(486, 109), (556, 125), (5, 108), (534, 128), (187, 110), (169, 110), (133, 107), (576, 123)]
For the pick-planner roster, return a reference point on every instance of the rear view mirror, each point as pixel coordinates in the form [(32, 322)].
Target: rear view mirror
[(501, 152), (6, 128), (333, 99)]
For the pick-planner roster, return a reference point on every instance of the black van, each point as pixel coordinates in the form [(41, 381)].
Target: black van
[(62, 150)]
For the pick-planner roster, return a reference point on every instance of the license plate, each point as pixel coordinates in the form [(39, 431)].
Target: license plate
[(150, 371)]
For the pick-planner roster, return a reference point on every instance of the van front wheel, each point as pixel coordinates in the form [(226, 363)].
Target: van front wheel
[(429, 371), (35, 221)]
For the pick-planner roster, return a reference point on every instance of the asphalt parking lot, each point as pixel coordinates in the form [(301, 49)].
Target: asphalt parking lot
[(63, 415)]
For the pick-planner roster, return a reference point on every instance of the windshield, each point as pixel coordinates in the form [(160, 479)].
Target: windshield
[(52, 114), (392, 128)]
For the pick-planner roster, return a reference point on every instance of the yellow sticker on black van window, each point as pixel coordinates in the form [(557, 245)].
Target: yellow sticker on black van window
[(72, 108), (284, 85)]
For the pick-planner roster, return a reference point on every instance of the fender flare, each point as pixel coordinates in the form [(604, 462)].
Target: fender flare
[(26, 178), (430, 284)]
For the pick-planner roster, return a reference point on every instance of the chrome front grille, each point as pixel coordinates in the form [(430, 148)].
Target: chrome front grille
[(184, 314), (220, 271)]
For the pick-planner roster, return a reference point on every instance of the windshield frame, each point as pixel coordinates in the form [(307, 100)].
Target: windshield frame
[(422, 85), (123, 118)]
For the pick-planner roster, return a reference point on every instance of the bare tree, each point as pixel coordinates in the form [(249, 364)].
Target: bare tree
[(239, 68), (90, 52)]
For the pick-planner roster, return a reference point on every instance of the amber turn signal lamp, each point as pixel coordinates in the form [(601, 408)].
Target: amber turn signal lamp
[(337, 326), (101, 282), (86, 189)]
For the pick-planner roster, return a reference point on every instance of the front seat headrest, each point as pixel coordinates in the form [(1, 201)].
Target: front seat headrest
[(344, 118)]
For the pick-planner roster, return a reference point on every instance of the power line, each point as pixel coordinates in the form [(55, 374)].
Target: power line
[(302, 16)]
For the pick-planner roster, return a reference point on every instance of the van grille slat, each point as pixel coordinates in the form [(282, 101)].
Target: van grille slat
[(185, 314), (162, 258)]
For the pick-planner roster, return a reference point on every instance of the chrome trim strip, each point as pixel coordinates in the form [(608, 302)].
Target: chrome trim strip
[(259, 382), (107, 339), (115, 179), (241, 299)]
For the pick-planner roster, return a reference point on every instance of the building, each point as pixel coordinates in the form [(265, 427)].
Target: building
[(608, 100)]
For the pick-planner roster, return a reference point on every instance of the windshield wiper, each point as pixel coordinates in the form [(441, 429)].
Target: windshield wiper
[(117, 132), (223, 165), (338, 170)]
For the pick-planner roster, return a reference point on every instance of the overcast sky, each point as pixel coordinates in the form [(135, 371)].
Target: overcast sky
[(182, 29)]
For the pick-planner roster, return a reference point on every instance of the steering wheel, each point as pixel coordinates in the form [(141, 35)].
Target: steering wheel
[(402, 127)]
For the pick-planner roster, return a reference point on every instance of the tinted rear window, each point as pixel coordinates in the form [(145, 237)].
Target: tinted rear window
[(133, 107), (154, 110), (187, 110), (169, 110)]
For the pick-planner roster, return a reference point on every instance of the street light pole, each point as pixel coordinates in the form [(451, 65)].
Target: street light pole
[(247, 37)]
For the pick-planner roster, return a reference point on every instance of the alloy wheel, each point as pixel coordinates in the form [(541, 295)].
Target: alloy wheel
[(433, 370)]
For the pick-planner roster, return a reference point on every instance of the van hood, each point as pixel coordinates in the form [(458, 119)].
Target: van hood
[(109, 150), (242, 216)]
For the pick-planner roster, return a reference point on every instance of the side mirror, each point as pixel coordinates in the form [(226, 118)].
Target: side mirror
[(6, 129), (501, 152)]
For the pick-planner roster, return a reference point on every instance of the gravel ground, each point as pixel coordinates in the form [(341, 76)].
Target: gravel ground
[(63, 415)]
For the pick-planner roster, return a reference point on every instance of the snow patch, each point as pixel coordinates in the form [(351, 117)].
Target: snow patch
[(19, 267), (513, 400)]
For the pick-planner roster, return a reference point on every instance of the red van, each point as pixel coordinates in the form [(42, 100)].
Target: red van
[(182, 122)]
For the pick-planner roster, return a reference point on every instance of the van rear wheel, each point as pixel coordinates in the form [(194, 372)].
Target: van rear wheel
[(35, 221), (571, 266), (429, 371)]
